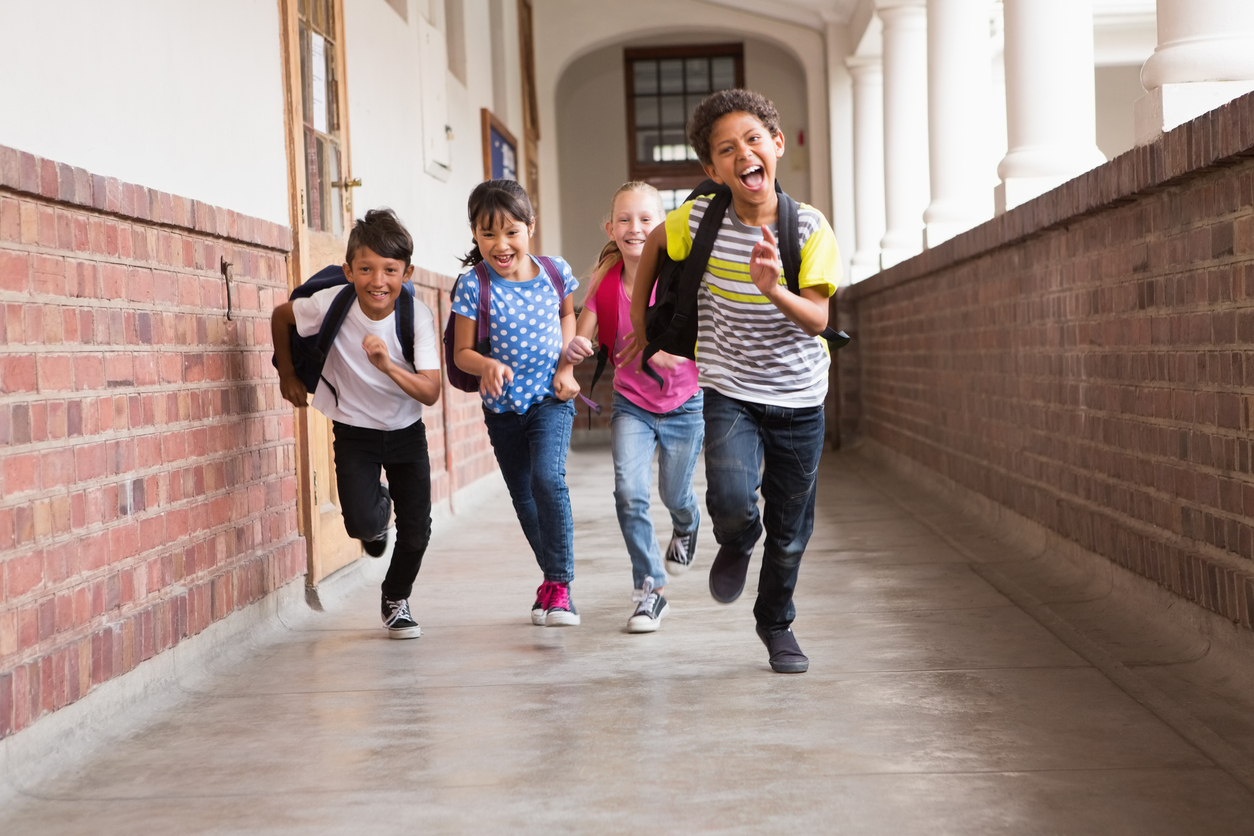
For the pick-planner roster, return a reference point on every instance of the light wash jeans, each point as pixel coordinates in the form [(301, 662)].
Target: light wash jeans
[(531, 450), (636, 434)]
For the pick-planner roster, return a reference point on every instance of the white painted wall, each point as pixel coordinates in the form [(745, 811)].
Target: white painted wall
[(592, 129), (1117, 89), (385, 122), (182, 97), (565, 30)]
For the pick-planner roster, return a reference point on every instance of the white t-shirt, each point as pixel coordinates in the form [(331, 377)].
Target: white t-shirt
[(367, 397)]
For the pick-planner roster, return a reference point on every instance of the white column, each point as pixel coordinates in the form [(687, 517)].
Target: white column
[(1051, 119), (1204, 59), (906, 186), (868, 164), (959, 82)]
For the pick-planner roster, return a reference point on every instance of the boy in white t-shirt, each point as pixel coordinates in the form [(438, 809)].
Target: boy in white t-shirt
[(375, 401)]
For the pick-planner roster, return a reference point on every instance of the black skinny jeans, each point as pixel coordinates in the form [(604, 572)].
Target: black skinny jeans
[(360, 455)]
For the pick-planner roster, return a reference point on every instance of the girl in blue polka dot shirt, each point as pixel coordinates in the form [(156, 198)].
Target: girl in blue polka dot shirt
[(525, 382)]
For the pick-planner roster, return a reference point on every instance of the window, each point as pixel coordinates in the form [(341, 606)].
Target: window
[(319, 83), (664, 86)]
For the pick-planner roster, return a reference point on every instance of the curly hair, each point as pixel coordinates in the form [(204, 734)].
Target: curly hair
[(717, 105)]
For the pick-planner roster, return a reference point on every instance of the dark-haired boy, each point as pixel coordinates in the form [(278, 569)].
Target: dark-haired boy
[(375, 401), (759, 358)]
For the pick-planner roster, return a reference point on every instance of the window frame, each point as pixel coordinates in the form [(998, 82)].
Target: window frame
[(682, 173)]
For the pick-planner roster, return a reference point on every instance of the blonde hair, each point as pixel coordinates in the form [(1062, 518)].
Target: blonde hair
[(610, 254)]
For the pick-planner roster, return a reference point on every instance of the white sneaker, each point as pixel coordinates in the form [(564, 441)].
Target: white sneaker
[(650, 608)]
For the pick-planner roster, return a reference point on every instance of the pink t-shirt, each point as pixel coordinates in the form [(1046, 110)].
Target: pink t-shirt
[(678, 384)]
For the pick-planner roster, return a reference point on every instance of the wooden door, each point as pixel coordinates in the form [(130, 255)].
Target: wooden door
[(320, 190)]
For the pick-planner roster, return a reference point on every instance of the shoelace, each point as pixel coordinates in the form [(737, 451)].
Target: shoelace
[(644, 596), (400, 609), (543, 593), (678, 550), (559, 597)]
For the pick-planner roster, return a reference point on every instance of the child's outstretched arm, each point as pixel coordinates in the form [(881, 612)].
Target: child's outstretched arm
[(580, 347), (565, 386), (642, 290), (422, 385), (492, 374), (282, 321), (807, 311)]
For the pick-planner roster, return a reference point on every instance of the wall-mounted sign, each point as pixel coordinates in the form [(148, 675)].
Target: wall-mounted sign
[(500, 149)]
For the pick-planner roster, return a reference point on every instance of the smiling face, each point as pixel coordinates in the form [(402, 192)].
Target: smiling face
[(505, 245), (743, 155), (378, 281), (635, 215)]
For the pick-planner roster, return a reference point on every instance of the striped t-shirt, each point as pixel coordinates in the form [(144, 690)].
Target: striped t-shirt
[(746, 348)]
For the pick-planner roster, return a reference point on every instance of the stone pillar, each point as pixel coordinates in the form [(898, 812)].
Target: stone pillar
[(906, 185), (1051, 119), (868, 164), (959, 83), (1204, 59)]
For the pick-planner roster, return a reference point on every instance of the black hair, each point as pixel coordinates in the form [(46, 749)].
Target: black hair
[(717, 105), (493, 200), (382, 232)]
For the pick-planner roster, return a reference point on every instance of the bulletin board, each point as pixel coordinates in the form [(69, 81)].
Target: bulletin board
[(500, 149)]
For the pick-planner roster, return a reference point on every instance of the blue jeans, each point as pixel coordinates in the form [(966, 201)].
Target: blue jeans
[(531, 450), (750, 446), (676, 435)]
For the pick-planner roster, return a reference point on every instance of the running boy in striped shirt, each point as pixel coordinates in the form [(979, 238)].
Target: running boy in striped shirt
[(760, 360)]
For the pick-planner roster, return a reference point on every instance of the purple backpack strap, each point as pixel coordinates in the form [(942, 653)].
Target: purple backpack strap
[(555, 276), (485, 300)]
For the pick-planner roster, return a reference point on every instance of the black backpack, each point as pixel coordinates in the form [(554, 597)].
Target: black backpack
[(309, 354), (671, 321)]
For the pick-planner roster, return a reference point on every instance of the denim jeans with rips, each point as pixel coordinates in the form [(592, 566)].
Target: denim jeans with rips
[(751, 446), (531, 449), (676, 437)]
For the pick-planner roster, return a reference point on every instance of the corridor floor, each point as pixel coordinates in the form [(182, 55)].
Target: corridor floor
[(957, 685)]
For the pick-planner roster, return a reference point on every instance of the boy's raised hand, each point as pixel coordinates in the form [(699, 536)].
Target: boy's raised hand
[(765, 266), (494, 378), (377, 350)]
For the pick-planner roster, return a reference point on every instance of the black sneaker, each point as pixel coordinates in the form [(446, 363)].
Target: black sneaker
[(397, 619), (680, 552), (561, 610), (650, 608), (727, 574), (786, 655), (379, 547)]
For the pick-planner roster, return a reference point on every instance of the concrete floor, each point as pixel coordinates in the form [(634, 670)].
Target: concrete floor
[(957, 685)]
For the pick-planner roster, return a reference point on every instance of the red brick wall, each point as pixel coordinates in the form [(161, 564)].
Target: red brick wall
[(147, 486), (1087, 360), (147, 461)]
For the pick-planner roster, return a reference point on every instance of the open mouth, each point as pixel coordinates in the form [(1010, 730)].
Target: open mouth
[(753, 177), (503, 261), (634, 242)]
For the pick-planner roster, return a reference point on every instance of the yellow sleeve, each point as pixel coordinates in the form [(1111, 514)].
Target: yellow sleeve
[(820, 259), (678, 233)]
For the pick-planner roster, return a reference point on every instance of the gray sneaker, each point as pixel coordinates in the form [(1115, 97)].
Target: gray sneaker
[(650, 608)]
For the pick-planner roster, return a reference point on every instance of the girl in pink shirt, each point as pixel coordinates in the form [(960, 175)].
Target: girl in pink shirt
[(645, 418)]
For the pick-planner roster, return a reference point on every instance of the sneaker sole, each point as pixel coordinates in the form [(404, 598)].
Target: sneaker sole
[(674, 567), (644, 624), (561, 618), (790, 667), (537, 617), (404, 632)]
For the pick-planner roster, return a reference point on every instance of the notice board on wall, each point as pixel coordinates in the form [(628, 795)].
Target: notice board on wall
[(500, 149)]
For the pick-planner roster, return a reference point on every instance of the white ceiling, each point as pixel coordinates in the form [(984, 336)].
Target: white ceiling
[(816, 13)]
